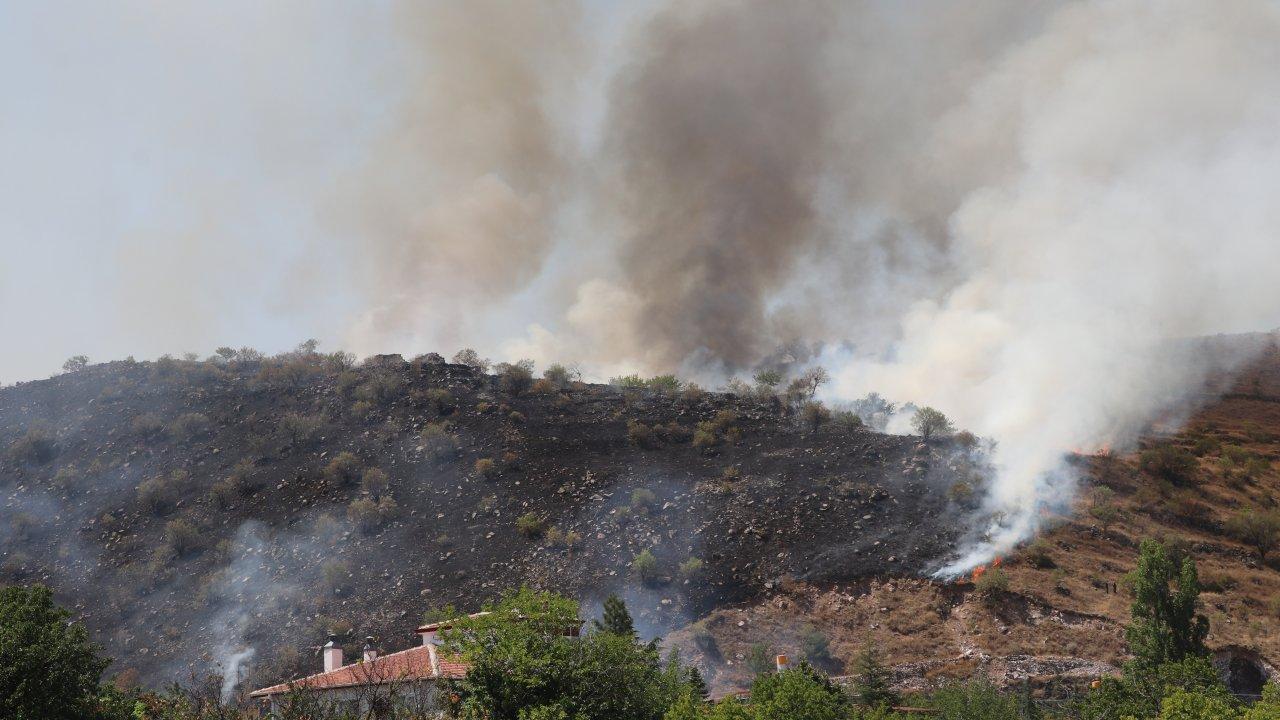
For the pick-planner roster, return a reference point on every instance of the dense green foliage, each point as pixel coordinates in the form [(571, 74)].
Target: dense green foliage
[(1165, 625), (48, 668)]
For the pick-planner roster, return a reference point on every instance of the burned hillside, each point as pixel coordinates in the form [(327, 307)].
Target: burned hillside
[(227, 514)]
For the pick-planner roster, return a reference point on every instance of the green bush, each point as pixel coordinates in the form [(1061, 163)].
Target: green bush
[(343, 470), (813, 415), (643, 500), (530, 525), (1168, 462), (1259, 529), (36, 446), (49, 670), (438, 443), (374, 482), (930, 423), (472, 359), (301, 430), (515, 378), (369, 516), (664, 384), (692, 567), (183, 537), (992, 584), (188, 426), (645, 567)]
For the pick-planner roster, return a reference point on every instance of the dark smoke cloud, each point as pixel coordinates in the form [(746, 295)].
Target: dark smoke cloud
[(719, 134), (455, 206)]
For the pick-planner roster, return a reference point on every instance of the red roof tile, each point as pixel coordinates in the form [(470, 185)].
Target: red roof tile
[(407, 665)]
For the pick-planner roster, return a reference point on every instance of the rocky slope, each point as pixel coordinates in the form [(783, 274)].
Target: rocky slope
[(192, 511)]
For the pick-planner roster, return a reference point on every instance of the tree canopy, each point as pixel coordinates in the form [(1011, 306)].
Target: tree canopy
[(48, 668)]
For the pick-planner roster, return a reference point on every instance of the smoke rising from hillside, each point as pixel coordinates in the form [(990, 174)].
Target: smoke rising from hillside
[(1016, 203)]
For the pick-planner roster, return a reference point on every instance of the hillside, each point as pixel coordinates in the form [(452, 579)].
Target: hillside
[(189, 510)]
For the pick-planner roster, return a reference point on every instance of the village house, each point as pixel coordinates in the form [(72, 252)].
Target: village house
[(374, 683)]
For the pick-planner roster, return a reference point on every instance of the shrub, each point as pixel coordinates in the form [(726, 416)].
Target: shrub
[(369, 516), (692, 567), (1258, 529), (992, 584), (543, 387), (159, 494), (516, 418), (188, 426), (336, 574), (486, 468), (813, 414), (641, 435), (847, 420), (643, 500), (530, 525), (347, 383), (628, 382), (37, 445), (440, 401), (438, 443), (146, 426), (815, 646), (705, 640), (760, 659), (731, 473), (224, 493), (374, 482), (472, 359), (664, 384), (301, 430), (515, 378), (75, 363), (343, 469), (559, 375), (1039, 554), (645, 566), (380, 388), (1168, 462), (930, 423), (182, 537), (767, 379), (717, 430), (692, 394), (672, 432)]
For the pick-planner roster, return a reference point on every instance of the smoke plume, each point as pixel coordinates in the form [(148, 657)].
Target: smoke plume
[(1016, 204)]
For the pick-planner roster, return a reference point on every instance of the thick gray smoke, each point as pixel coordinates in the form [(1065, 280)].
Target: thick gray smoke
[(455, 206), (1016, 203)]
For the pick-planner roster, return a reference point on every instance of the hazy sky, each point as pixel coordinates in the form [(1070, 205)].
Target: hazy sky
[(140, 139)]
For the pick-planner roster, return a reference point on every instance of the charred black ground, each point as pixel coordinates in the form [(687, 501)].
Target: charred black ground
[(189, 509)]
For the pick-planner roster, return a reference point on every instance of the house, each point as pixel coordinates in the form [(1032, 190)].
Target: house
[(412, 678)]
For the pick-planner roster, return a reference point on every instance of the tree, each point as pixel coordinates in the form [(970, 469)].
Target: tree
[(1184, 705), (871, 678), (1139, 691), (226, 353), (767, 379), (1164, 625), (521, 657), (75, 363), (1260, 529), (802, 692), (697, 686), (515, 378), (471, 358), (930, 423), (48, 668), (616, 619), (813, 414), (1168, 462)]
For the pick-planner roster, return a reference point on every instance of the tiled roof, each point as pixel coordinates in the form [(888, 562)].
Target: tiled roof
[(407, 665)]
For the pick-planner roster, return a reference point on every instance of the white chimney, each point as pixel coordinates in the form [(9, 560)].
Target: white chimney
[(370, 653), (332, 654), (783, 663)]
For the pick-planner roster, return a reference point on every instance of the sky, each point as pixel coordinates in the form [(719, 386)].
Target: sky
[(140, 139)]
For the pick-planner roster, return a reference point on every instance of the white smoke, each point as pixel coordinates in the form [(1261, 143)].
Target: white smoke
[(1133, 156)]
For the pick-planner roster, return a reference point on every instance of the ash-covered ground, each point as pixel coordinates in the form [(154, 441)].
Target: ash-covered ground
[(191, 511)]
